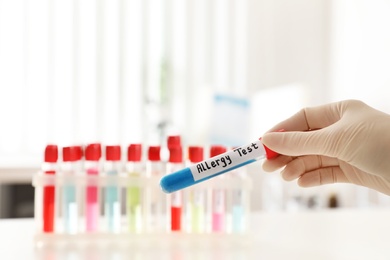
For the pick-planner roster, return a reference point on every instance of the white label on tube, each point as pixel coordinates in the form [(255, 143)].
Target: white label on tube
[(227, 160)]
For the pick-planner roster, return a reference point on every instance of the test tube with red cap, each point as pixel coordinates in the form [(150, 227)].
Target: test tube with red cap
[(218, 197), (93, 153), (71, 165), (134, 169), (173, 140), (174, 164), (112, 167), (49, 167), (154, 203), (154, 167), (196, 198), (238, 202)]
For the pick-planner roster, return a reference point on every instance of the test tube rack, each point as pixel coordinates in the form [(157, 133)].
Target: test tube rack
[(153, 227)]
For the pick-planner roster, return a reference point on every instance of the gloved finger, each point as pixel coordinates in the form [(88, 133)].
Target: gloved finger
[(301, 143), (311, 118), (362, 178), (303, 164), (276, 163), (337, 175), (323, 176)]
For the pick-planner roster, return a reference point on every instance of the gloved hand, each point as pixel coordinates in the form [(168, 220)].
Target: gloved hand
[(347, 141)]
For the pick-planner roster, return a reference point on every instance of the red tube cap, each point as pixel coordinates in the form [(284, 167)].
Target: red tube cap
[(134, 152), (93, 152), (195, 154), (80, 152), (71, 153), (270, 154), (154, 153), (51, 153), (175, 154), (113, 153), (217, 150), (174, 140)]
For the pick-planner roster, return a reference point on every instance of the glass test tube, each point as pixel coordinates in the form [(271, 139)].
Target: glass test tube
[(49, 167), (92, 167), (195, 204), (70, 167), (112, 206), (134, 192), (239, 201), (218, 197), (155, 204), (174, 164)]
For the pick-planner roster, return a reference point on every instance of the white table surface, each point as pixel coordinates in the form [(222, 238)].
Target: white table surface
[(339, 234)]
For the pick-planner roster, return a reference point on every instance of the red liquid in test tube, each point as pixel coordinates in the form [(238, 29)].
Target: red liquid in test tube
[(175, 163), (49, 167), (92, 157)]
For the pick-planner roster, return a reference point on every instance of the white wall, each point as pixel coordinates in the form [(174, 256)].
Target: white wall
[(360, 57), (288, 43)]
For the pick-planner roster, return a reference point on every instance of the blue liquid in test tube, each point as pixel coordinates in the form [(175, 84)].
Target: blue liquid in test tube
[(70, 209), (112, 202), (70, 167), (238, 204)]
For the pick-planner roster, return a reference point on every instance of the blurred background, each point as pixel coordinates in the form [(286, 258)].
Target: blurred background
[(220, 71)]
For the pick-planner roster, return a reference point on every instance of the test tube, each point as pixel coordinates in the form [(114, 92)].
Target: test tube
[(134, 169), (216, 166), (196, 197), (218, 197), (70, 166), (239, 202), (155, 204), (112, 167), (175, 163), (92, 167), (49, 167)]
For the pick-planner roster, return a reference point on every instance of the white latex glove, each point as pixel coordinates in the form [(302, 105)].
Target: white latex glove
[(346, 142)]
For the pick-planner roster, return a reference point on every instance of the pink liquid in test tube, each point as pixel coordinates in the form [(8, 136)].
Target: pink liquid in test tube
[(92, 157), (218, 198)]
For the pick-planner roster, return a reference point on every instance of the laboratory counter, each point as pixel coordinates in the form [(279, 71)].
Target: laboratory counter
[(333, 234)]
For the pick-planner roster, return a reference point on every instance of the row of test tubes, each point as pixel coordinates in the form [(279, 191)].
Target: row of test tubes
[(82, 193)]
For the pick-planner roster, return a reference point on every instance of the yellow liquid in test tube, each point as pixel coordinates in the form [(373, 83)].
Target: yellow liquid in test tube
[(134, 208), (134, 193)]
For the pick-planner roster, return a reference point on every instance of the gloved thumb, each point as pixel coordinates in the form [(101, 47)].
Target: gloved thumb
[(299, 143)]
